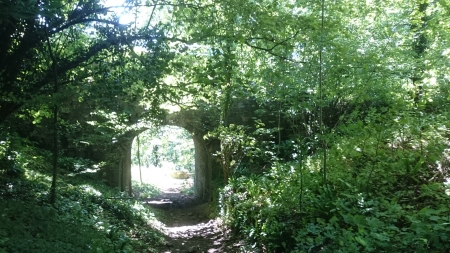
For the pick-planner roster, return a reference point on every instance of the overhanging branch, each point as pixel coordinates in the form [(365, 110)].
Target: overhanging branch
[(85, 20)]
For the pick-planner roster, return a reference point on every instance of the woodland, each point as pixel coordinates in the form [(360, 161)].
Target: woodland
[(317, 125)]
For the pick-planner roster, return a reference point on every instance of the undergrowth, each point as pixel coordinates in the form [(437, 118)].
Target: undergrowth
[(385, 192), (280, 213), (87, 217)]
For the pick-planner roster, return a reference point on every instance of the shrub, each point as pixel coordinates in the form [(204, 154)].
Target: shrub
[(288, 210)]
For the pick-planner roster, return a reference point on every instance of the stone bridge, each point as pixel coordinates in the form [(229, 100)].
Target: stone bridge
[(198, 123)]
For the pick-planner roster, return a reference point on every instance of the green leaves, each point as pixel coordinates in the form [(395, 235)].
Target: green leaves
[(171, 146), (380, 111), (88, 217), (18, 11)]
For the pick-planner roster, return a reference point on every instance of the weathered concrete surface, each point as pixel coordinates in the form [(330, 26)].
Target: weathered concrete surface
[(194, 123)]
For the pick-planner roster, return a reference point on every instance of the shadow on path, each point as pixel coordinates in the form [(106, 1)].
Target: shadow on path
[(189, 227)]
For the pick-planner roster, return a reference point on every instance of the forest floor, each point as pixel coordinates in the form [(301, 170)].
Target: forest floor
[(188, 224)]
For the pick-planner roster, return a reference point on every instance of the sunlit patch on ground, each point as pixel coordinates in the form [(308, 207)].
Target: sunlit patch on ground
[(203, 237), (185, 222), (162, 179)]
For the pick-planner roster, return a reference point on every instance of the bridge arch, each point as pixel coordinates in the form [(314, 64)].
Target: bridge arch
[(158, 153), (120, 175), (197, 126)]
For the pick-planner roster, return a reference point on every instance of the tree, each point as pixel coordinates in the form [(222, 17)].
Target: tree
[(75, 57), (81, 33)]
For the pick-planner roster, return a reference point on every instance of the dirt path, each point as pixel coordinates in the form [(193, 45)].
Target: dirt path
[(189, 227)]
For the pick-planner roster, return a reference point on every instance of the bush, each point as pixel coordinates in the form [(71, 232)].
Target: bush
[(143, 191), (287, 210), (180, 174), (87, 217)]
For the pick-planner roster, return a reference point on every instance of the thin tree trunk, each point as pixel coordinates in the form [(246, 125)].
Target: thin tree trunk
[(55, 126), (225, 149), (321, 125), (420, 45), (126, 167), (279, 128), (139, 157), (120, 174), (55, 155)]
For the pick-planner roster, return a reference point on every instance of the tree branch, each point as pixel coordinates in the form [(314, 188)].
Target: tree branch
[(86, 20), (269, 51)]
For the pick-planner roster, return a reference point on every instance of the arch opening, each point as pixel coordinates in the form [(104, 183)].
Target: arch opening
[(163, 159)]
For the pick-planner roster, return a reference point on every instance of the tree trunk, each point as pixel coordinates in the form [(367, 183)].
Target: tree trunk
[(139, 157), (125, 180), (55, 155), (55, 124)]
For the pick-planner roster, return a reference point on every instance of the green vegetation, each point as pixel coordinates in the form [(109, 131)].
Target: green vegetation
[(317, 126), (88, 216), (167, 148), (382, 194)]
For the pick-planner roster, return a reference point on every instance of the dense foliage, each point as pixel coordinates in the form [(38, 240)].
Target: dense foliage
[(87, 217), (365, 92), (331, 119), (166, 148), (383, 194)]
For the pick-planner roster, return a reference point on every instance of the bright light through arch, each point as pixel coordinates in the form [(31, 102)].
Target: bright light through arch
[(166, 159)]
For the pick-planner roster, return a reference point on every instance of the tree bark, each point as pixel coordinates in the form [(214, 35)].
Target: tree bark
[(55, 123), (125, 166), (139, 157)]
